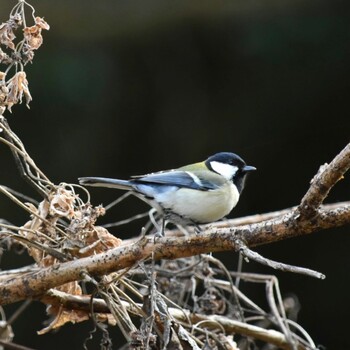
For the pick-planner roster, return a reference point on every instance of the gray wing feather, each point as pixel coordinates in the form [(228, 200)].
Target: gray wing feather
[(176, 178)]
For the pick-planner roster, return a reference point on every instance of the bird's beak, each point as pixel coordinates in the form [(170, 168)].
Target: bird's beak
[(248, 168)]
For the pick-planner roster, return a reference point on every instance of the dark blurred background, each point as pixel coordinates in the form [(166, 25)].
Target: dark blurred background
[(129, 87)]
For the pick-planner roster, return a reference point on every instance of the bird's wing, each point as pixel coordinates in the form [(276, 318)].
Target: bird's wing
[(178, 178)]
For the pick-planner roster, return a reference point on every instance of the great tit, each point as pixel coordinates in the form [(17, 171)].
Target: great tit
[(198, 193)]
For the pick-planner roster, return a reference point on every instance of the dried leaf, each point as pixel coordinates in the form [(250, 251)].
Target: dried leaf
[(6, 332), (64, 316), (32, 35), (38, 225), (18, 86), (27, 53), (85, 219), (70, 288), (174, 343), (3, 93), (107, 240), (15, 21), (41, 23), (97, 240), (184, 335), (228, 342), (62, 203), (6, 35), (42, 211), (5, 58)]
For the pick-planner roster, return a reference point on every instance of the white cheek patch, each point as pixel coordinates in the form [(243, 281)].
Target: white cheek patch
[(226, 170)]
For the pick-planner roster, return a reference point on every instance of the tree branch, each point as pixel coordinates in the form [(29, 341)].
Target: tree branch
[(327, 176), (213, 240)]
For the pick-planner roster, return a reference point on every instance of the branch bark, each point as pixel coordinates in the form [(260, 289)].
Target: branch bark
[(327, 176), (213, 240)]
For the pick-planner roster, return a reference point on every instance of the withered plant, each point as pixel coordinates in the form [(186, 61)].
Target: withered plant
[(162, 293)]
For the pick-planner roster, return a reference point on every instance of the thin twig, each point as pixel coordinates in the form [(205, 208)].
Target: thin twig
[(14, 346), (19, 311), (126, 221), (53, 252), (250, 254), (28, 209)]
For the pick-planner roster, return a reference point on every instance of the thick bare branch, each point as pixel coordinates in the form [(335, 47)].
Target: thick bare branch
[(291, 226), (327, 176), (213, 240), (246, 220)]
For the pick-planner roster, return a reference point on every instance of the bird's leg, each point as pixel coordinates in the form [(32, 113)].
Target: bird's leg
[(161, 232), (154, 215)]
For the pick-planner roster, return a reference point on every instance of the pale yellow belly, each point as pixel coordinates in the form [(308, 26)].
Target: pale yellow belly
[(202, 206)]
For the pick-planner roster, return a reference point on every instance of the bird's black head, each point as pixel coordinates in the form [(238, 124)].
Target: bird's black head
[(231, 166)]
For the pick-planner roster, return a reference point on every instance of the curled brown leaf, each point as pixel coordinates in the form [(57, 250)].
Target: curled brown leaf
[(4, 58), (7, 35), (32, 35), (17, 87), (62, 203), (40, 22)]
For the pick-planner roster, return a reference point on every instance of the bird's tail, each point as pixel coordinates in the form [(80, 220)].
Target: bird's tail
[(106, 182)]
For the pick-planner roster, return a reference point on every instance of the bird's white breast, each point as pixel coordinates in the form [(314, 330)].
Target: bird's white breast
[(200, 206)]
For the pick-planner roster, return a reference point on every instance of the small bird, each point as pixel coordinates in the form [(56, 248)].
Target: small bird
[(194, 194)]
